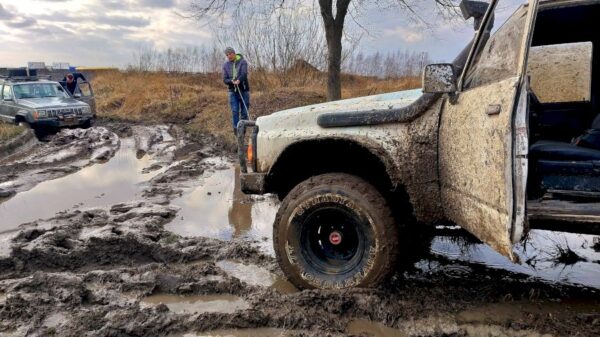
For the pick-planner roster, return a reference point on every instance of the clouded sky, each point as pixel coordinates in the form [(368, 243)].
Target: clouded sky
[(109, 32)]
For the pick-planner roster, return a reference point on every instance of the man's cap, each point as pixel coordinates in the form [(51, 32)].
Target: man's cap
[(229, 50), (70, 76)]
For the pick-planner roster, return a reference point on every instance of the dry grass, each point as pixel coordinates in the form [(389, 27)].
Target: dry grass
[(8, 131), (199, 101)]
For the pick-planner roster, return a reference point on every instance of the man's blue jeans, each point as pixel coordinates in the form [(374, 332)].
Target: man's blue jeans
[(237, 106)]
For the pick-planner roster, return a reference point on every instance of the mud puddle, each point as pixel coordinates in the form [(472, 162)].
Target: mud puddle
[(65, 153), (216, 208), (372, 329), (256, 276), (260, 332), (226, 304), (116, 181), (550, 256)]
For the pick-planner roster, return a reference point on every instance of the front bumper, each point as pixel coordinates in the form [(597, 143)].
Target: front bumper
[(251, 182), (63, 122)]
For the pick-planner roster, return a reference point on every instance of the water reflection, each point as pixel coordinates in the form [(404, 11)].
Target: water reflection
[(119, 180), (257, 332), (226, 304), (373, 329), (217, 208), (540, 255)]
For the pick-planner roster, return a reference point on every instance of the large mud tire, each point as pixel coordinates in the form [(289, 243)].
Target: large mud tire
[(335, 231)]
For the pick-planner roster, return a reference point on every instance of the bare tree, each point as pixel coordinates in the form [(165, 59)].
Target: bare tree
[(333, 14), (177, 60), (395, 64), (278, 43)]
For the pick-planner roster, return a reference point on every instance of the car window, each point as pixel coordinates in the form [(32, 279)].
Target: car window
[(498, 58), (85, 89), (6, 92), (38, 90)]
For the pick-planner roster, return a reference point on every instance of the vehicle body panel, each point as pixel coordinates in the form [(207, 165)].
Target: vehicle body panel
[(87, 95), (478, 166), (395, 144), (475, 163)]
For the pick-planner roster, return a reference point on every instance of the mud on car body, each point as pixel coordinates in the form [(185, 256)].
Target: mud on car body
[(490, 143), (40, 103)]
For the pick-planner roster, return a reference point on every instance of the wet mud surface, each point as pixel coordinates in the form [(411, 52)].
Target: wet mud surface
[(153, 238)]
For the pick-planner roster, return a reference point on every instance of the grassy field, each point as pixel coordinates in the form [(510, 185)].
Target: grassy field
[(8, 131), (200, 101)]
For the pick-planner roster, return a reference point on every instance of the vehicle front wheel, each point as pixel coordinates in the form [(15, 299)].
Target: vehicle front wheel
[(335, 231), (87, 124)]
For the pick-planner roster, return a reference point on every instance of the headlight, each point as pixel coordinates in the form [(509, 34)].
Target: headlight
[(87, 110), (42, 113)]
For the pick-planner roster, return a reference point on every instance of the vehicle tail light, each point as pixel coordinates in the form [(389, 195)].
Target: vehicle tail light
[(250, 152)]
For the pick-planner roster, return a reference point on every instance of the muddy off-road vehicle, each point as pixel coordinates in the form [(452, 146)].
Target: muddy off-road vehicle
[(27, 99), (503, 137)]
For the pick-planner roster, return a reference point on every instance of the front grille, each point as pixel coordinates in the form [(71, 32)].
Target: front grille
[(64, 111)]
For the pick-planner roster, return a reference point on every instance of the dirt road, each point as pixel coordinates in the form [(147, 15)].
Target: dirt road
[(142, 231)]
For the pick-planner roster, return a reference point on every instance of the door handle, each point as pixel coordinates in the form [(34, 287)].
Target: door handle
[(493, 109)]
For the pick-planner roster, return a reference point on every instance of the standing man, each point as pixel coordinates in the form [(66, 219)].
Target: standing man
[(235, 75)]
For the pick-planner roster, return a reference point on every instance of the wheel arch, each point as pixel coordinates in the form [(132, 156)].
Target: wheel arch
[(304, 159), (19, 117)]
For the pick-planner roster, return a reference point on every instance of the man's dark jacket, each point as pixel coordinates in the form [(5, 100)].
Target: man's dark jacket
[(240, 72)]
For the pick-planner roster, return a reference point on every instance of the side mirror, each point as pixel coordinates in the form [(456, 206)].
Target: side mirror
[(439, 79), (77, 95), (475, 10)]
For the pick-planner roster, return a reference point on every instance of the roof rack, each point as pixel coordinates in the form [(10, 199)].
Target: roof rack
[(19, 78), (22, 74)]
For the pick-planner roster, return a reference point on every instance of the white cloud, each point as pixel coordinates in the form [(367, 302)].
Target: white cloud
[(92, 32), (406, 34)]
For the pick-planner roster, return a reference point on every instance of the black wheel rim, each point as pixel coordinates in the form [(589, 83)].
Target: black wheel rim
[(333, 240)]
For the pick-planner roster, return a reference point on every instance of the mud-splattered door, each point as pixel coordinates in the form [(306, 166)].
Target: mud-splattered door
[(476, 138)]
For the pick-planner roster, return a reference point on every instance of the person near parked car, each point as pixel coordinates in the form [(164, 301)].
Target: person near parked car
[(235, 75), (70, 83)]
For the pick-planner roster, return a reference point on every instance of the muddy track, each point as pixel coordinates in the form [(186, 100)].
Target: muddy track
[(93, 271)]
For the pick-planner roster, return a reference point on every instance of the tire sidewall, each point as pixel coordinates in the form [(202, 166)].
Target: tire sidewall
[(294, 262)]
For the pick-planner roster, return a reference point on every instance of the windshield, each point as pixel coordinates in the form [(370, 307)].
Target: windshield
[(38, 90), (497, 58)]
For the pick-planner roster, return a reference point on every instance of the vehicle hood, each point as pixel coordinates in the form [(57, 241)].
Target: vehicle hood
[(307, 116), (50, 102)]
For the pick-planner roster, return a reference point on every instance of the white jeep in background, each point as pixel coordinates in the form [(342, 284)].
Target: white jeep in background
[(502, 140)]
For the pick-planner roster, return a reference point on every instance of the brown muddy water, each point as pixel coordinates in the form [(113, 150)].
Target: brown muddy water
[(226, 304), (217, 208), (362, 326), (119, 180), (261, 332)]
